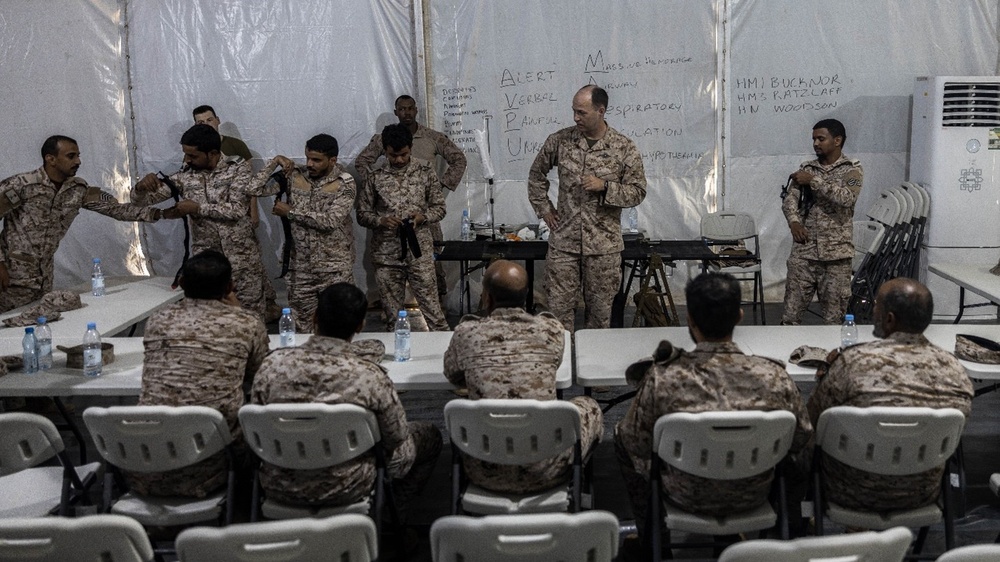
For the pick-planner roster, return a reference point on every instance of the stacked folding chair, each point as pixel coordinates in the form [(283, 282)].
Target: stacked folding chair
[(902, 212)]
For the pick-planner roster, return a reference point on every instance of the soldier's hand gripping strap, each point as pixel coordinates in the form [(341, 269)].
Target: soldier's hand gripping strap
[(175, 193), (286, 225)]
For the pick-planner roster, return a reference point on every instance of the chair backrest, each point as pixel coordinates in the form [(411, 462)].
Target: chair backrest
[(973, 553), (156, 438), (886, 209), (724, 445), (541, 537), (888, 546), (887, 440), (28, 440), (727, 226), (512, 431), (308, 435), (346, 538), (94, 538), (867, 240)]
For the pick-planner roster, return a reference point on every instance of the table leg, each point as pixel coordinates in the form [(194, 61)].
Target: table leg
[(961, 305)]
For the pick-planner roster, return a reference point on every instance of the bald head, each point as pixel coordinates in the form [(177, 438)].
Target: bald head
[(902, 305), (505, 285), (596, 95)]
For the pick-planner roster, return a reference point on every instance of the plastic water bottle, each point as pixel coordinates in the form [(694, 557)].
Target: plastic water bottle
[(30, 347), (43, 337), (466, 226), (848, 332), (402, 337), (92, 360), (97, 279), (633, 220), (286, 327)]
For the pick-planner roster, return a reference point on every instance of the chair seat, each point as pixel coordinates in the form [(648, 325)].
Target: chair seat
[(762, 517), (277, 510), (919, 517), (736, 270), (35, 492), (995, 483), (484, 502), (169, 511)]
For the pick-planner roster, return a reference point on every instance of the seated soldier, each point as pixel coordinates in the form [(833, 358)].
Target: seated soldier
[(329, 368), (901, 369), (513, 354)]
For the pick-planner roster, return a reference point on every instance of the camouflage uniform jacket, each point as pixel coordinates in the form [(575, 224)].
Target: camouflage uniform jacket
[(509, 354), (222, 222), (37, 215), (831, 220), (901, 370), (332, 371), (716, 376), (200, 353), (427, 145), (589, 222), (400, 192), (322, 227)]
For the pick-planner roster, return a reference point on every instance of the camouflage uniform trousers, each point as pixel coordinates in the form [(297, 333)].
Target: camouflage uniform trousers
[(304, 288), (410, 475), (600, 276), (248, 274), (545, 474), (832, 281), (16, 296), (391, 281)]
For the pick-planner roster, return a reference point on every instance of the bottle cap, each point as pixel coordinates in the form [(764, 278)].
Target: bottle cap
[(286, 311), (41, 320), (465, 212), (91, 325), (849, 318), (402, 314), (29, 330), (97, 260)]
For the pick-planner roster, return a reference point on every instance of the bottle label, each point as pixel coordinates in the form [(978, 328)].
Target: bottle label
[(91, 358), (287, 339), (97, 286)]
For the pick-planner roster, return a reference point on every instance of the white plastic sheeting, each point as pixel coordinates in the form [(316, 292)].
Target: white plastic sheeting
[(122, 76)]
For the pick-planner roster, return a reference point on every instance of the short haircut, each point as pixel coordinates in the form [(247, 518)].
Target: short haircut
[(396, 136), (404, 97), (342, 308), (912, 306), (598, 96), (204, 109), (203, 137), (505, 297), (207, 275), (324, 143), (51, 145), (836, 129), (713, 302)]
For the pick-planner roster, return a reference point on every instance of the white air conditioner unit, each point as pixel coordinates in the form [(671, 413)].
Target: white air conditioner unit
[(955, 155)]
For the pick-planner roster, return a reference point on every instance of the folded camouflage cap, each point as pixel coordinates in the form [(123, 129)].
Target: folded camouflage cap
[(977, 349), (665, 353), (49, 306), (809, 356)]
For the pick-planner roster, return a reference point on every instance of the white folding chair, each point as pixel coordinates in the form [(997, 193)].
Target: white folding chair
[(513, 432), (537, 537), (867, 240), (725, 228), (310, 436), (29, 490), (347, 538), (892, 442), (720, 446), (972, 553), (888, 546), (160, 439), (94, 538)]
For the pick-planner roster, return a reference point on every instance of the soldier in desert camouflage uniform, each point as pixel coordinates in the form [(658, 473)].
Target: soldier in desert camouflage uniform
[(201, 351), (329, 368), (823, 245), (902, 369), (428, 145), (403, 188), (320, 201), (38, 208), (600, 172), (716, 376), (216, 194), (512, 354)]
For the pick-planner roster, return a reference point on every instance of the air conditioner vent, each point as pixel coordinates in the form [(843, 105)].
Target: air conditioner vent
[(971, 104)]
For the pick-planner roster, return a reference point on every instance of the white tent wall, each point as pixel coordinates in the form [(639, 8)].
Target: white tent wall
[(121, 76)]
